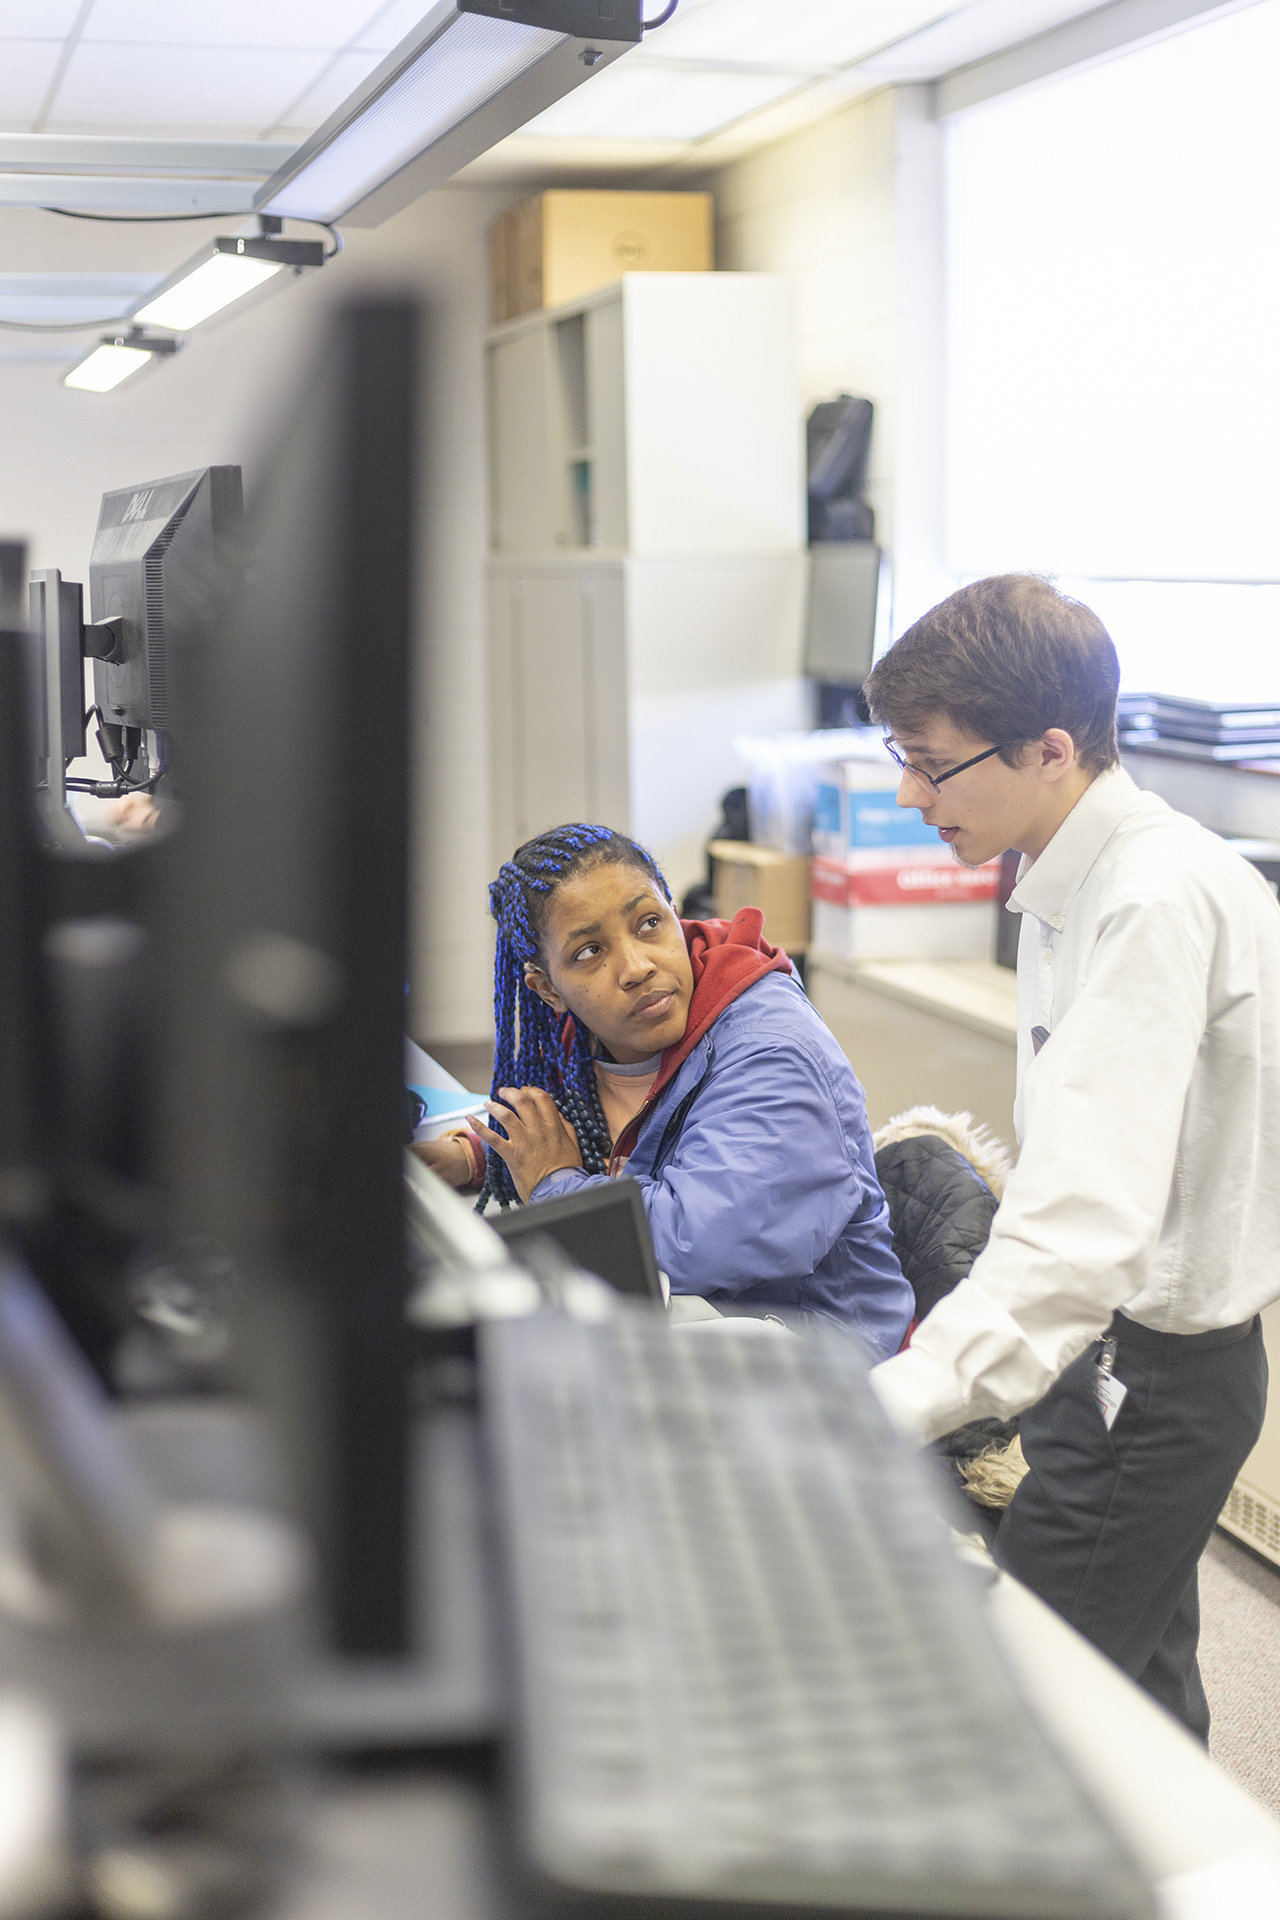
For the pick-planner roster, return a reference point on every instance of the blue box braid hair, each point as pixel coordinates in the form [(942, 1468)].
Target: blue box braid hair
[(530, 1047)]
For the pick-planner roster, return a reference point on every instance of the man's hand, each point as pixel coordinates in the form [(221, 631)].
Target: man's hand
[(540, 1141)]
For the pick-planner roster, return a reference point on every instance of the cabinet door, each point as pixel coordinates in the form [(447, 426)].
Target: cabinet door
[(604, 661), (549, 691), (558, 701), (506, 806), (607, 422), (521, 488)]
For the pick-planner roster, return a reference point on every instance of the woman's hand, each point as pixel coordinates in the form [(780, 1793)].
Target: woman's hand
[(450, 1157), (540, 1140)]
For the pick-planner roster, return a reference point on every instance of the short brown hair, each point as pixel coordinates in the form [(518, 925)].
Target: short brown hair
[(1005, 659)]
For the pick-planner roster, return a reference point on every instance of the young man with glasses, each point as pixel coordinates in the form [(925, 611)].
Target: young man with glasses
[(1115, 1305)]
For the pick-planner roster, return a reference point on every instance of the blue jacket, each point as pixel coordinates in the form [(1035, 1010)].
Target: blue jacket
[(758, 1176)]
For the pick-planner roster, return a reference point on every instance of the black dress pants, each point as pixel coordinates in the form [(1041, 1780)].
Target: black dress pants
[(1108, 1526)]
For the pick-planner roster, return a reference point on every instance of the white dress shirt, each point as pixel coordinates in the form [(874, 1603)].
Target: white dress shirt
[(1149, 1118)]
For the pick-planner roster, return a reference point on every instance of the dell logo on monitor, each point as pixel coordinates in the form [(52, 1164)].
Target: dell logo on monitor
[(137, 507)]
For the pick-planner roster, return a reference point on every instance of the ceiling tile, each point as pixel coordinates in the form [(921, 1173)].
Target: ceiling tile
[(117, 287), (141, 89), (652, 102), (34, 352), (339, 79), (37, 19), (812, 34), (75, 310), (389, 25), (231, 23), (26, 68), (972, 32)]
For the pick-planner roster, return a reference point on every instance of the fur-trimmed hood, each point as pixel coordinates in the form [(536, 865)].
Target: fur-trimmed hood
[(940, 1205), (987, 1155)]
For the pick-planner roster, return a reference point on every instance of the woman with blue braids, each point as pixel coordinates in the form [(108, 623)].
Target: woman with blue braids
[(686, 1053)]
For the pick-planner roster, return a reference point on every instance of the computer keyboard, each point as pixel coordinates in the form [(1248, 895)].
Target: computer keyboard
[(750, 1675)]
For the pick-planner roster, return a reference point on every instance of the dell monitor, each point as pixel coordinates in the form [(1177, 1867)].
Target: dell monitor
[(163, 558)]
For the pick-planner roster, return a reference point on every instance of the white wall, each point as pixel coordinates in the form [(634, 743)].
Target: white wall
[(850, 209), (215, 403)]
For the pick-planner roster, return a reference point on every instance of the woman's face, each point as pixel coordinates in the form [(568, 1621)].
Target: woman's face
[(616, 960)]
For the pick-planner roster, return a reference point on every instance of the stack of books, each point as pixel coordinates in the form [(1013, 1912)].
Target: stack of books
[(1240, 732)]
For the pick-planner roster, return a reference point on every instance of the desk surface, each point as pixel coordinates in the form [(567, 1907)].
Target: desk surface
[(972, 993), (1231, 799), (421, 1840)]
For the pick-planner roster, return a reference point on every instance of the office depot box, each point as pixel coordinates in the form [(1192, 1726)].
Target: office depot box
[(884, 886), (746, 875), (856, 809), (955, 930), (908, 876), (903, 903), (567, 242)]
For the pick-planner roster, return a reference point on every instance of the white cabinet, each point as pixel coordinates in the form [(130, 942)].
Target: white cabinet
[(618, 686), (559, 709), (646, 590)]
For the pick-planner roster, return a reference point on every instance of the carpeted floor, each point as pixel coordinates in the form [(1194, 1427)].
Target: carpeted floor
[(1240, 1661)]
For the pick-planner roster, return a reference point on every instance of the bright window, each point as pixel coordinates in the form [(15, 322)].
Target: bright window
[(1204, 640), (1114, 329)]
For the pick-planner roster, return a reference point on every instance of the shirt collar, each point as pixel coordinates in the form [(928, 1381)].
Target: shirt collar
[(1047, 886), (636, 1068)]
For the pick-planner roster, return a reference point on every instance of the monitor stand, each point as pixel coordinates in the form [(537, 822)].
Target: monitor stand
[(444, 1694)]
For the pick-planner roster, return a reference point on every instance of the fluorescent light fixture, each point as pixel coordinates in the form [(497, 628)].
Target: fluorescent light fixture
[(456, 74), (222, 272), (651, 102), (115, 358), (207, 289), (459, 83), (107, 365)]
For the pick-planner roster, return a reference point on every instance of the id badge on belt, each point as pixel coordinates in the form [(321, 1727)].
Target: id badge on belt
[(1107, 1390)]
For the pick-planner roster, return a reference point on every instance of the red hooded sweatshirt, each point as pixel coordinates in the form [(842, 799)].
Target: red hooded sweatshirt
[(727, 957)]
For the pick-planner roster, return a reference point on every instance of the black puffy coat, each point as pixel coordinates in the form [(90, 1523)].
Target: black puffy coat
[(940, 1211)]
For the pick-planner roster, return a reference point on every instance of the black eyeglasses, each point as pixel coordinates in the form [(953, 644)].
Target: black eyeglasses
[(918, 773)]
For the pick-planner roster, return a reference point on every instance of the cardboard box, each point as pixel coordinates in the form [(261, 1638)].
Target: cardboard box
[(856, 811), (568, 242), (884, 886), (958, 930), (746, 875)]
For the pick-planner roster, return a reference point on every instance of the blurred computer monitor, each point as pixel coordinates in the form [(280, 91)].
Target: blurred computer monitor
[(283, 1104), (840, 629), (165, 556), (603, 1229), (56, 639)]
